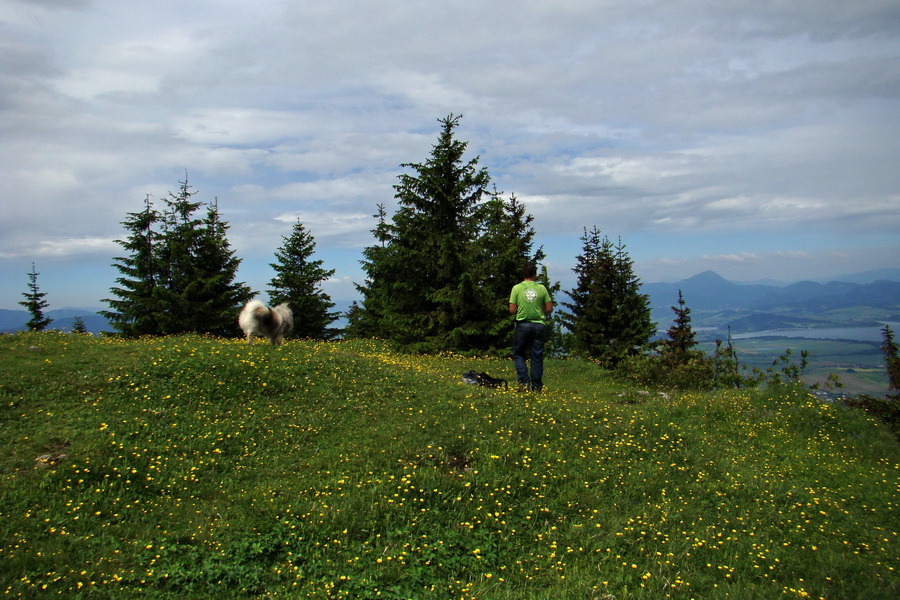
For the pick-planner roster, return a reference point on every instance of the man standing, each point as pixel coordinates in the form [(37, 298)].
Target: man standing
[(530, 302)]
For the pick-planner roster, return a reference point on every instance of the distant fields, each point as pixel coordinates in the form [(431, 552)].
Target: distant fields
[(195, 467), (859, 365)]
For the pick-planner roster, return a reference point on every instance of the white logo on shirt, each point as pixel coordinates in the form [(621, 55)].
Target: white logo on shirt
[(530, 295)]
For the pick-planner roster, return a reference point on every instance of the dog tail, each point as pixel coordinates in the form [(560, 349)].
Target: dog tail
[(254, 311), (286, 316), (259, 309)]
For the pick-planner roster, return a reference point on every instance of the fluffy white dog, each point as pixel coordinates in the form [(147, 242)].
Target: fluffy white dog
[(259, 320)]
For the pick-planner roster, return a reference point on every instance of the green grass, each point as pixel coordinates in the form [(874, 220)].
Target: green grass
[(191, 467)]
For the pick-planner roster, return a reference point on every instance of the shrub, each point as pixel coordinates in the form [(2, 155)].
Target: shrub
[(886, 409), (692, 371)]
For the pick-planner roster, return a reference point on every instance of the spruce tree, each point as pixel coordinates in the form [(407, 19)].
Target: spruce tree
[(369, 319), (181, 232), (216, 291), (681, 336), (433, 228), (35, 303), (424, 281), (180, 276), (635, 326), (587, 317), (608, 316), (891, 359), (135, 312), (78, 325), (439, 276), (298, 280)]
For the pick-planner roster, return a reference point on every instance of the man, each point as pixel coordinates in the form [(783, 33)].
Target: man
[(530, 302)]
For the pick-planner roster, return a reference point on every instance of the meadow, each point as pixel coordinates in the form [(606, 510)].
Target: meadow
[(188, 467)]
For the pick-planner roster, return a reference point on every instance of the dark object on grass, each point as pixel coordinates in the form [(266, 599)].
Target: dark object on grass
[(484, 380)]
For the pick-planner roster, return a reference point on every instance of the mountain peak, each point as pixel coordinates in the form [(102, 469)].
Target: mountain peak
[(707, 277), (703, 291)]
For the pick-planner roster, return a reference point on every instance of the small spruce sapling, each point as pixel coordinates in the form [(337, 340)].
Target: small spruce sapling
[(35, 303)]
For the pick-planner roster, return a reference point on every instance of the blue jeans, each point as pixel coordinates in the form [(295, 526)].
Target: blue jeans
[(529, 336)]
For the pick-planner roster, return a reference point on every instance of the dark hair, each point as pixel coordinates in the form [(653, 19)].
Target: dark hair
[(529, 271)]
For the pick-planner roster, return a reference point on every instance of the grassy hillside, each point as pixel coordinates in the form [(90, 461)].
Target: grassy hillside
[(187, 467)]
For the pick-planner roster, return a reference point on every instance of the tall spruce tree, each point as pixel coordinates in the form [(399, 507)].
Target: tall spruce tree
[(428, 284), (136, 311), (216, 290), (35, 303), (298, 280), (608, 316), (179, 273), (891, 359), (634, 322), (587, 317), (430, 308), (369, 319), (180, 276)]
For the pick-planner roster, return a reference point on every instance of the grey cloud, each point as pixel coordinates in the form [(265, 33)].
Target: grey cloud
[(674, 117), (56, 4)]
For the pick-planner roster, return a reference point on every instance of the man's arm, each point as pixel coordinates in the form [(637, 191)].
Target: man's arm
[(548, 307), (513, 308)]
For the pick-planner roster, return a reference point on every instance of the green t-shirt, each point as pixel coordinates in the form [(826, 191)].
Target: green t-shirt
[(529, 298)]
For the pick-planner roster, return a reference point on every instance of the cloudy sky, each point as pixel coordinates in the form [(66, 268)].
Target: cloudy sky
[(758, 139)]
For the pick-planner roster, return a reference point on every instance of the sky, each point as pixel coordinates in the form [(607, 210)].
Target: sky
[(758, 139)]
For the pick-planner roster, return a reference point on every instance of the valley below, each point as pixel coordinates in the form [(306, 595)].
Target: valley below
[(840, 324)]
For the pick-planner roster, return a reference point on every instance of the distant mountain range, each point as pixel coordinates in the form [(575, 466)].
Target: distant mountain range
[(862, 277), (715, 301), (63, 320), (859, 299)]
